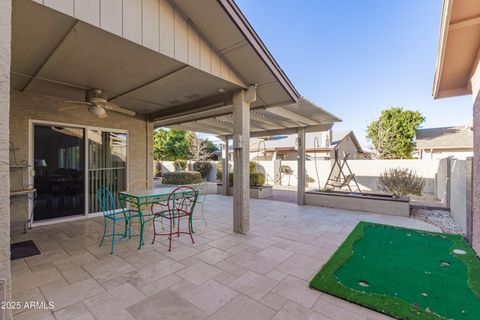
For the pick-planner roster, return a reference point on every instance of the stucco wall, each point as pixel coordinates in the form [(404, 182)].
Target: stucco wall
[(475, 83), (458, 192), (29, 106), (5, 53), (476, 177)]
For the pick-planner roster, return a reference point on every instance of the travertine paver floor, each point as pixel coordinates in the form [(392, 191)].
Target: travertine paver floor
[(261, 275)]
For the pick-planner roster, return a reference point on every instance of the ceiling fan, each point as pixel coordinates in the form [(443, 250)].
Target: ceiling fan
[(97, 104)]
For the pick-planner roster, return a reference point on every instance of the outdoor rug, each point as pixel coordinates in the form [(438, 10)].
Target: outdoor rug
[(23, 249), (405, 273)]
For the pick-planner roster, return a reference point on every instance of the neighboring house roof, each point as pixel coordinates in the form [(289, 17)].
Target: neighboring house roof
[(445, 138), (339, 136), (457, 48)]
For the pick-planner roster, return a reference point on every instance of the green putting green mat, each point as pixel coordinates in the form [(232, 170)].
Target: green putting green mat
[(405, 273)]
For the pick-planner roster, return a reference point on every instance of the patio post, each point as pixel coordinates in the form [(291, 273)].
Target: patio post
[(225, 160), (241, 153), (301, 167), (5, 53)]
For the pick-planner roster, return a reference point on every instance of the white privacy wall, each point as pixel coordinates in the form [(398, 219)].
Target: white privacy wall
[(366, 172), (434, 171)]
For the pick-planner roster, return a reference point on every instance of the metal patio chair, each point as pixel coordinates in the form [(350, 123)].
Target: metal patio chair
[(180, 204), (110, 212)]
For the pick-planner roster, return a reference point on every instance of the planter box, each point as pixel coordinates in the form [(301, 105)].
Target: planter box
[(357, 201), (255, 192)]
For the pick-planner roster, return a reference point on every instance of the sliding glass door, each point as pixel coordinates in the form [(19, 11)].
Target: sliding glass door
[(107, 164), (71, 163), (59, 162)]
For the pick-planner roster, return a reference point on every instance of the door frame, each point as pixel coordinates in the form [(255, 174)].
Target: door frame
[(31, 170)]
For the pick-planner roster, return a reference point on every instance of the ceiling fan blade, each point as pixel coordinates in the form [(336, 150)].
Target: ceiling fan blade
[(71, 107), (78, 102), (117, 108)]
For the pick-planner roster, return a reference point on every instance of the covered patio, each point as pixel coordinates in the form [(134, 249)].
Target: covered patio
[(225, 275), (84, 88)]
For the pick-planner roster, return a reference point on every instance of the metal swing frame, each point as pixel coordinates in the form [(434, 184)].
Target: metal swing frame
[(341, 180)]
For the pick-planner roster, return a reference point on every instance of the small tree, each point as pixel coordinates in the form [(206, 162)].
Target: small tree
[(170, 145), (393, 133), (401, 182)]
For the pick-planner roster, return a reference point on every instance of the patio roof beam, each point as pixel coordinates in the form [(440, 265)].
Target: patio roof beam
[(254, 125), (195, 126), (291, 115), (196, 114), (35, 75), (269, 133), (260, 116)]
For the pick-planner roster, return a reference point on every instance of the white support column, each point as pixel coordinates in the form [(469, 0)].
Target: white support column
[(241, 157), (225, 164), (5, 53), (301, 167)]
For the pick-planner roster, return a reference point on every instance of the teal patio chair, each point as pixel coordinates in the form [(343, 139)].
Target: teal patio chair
[(110, 212)]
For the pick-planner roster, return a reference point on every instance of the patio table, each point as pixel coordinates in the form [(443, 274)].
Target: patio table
[(143, 198)]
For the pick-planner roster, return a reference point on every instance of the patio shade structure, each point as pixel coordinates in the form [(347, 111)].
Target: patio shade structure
[(297, 118)]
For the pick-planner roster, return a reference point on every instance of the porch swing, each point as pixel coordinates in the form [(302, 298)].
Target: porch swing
[(343, 178)]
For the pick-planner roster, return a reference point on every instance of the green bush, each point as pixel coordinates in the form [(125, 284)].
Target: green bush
[(182, 177), (180, 165), (203, 167), (256, 179), (252, 166)]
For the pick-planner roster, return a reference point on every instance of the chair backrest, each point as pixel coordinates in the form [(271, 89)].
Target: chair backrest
[(202, 189), (182, 200), (106, 201)]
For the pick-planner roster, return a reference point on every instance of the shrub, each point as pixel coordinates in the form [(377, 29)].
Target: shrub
[(401, 182), (256, 179), (203, 167), (181, 177), (180, 165), (252, 166)]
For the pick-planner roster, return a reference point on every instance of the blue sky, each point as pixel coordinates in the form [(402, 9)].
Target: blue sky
[(356, 58)]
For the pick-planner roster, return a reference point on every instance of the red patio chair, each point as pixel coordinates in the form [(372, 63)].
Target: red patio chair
[(180, 204)]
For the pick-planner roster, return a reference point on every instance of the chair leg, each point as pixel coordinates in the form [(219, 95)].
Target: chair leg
[(113, 237), (203, 213), (154, 230), (126, 230), (178, 227), (170, 235), (190, 231), (104, 230), (140, 241)]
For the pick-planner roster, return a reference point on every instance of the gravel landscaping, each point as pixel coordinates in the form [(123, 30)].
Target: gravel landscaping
[(439, 218)]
